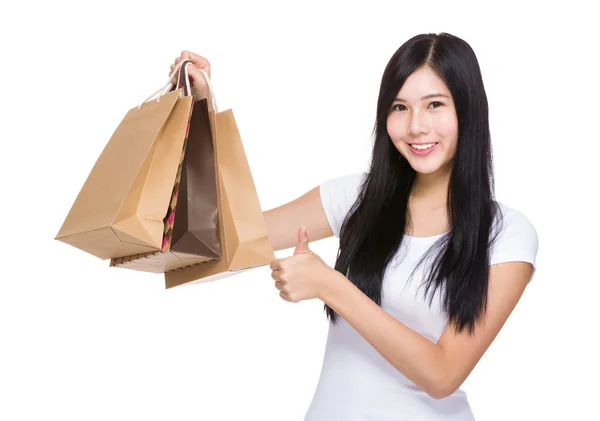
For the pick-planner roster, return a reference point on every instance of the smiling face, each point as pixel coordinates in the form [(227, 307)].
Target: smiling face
[(422, 122)]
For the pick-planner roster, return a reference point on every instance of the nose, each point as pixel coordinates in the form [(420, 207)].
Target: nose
[(418, 124)]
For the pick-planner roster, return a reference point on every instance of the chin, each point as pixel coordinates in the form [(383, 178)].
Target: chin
[(425, 164), (425, 168)]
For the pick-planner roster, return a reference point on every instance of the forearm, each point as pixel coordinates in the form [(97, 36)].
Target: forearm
[(283, 221), (419, 359)]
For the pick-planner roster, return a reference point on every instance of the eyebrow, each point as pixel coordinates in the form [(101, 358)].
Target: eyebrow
[(434, 95)]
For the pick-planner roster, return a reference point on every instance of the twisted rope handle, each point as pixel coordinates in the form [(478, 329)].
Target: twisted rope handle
[(187, 89)]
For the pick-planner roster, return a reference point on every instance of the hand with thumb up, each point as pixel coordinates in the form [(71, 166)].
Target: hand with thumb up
[(304, 275)]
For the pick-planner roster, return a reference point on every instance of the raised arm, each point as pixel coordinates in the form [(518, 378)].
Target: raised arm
[(284, 221)]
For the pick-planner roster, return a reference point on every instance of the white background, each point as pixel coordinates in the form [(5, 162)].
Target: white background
[(82, 341)]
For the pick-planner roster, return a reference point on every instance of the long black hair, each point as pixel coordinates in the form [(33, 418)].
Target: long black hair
[(373, 230)]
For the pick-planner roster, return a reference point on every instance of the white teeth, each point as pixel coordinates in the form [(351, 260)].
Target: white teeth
[(425, 146)]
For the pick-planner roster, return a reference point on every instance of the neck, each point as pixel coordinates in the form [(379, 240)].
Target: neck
[(432, 186)]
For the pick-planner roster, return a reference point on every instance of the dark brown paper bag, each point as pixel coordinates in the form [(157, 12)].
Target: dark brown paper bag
[(195, 224)]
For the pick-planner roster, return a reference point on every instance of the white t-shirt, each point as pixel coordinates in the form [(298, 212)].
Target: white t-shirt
[(356, 382)]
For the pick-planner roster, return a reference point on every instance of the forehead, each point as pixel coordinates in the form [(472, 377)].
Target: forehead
[(421, 82)]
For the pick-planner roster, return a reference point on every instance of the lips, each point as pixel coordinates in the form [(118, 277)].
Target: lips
[(422, 148)]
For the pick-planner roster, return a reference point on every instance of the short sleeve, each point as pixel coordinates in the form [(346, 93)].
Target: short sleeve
[(337, 196), (516, 241)]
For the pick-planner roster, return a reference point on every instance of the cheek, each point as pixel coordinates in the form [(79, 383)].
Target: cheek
[(447, 126), (394, 129)]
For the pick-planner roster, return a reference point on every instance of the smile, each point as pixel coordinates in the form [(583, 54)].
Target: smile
[(422, 148)]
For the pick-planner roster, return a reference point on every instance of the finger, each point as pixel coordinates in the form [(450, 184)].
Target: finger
[(196, 58), (197, 77), (177, 60), (275, 264), (279, 286), (174, 65), (172, 68), (285, 296), (199, 61)]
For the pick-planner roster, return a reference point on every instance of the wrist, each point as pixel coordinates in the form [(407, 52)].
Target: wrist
[(200, 93), (332, 285)]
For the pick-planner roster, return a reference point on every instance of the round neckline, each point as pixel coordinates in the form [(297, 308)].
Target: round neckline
[(431, 237)]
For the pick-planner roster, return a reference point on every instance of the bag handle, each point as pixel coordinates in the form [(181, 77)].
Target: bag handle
[(185, 87), (186, 90)]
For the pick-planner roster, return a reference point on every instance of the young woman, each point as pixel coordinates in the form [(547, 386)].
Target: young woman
[(430, 265)]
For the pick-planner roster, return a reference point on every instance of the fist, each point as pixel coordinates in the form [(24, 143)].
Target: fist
[(304, 275), (197, 80)]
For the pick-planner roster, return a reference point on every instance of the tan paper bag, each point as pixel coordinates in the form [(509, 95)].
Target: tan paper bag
[(243, 233), (190, 226), (121, 208)]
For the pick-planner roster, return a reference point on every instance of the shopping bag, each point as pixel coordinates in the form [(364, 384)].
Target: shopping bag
[(243, 235), (191, 224), (122, 205)]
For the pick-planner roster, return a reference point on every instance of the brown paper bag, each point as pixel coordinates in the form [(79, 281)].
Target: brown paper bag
[(191, 225), (242, 231), (121, 208)]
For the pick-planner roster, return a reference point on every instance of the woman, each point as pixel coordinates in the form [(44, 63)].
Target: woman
[(430, 266)]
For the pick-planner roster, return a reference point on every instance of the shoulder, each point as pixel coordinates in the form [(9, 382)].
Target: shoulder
[(338, 194), (514, 237), (346, 181), (511, 221)]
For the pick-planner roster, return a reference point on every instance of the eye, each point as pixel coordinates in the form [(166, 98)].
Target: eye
[(395, 107), (436, 103)]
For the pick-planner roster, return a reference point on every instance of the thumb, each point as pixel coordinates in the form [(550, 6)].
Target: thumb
[(197, 77), (302, 246), (199, 84)]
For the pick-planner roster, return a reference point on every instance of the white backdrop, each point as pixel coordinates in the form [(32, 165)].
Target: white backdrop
[(80, 340)]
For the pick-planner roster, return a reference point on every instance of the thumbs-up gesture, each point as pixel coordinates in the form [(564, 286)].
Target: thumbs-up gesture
[(302, 276)]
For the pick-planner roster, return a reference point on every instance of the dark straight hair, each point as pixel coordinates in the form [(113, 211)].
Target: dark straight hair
[(373, 230)]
